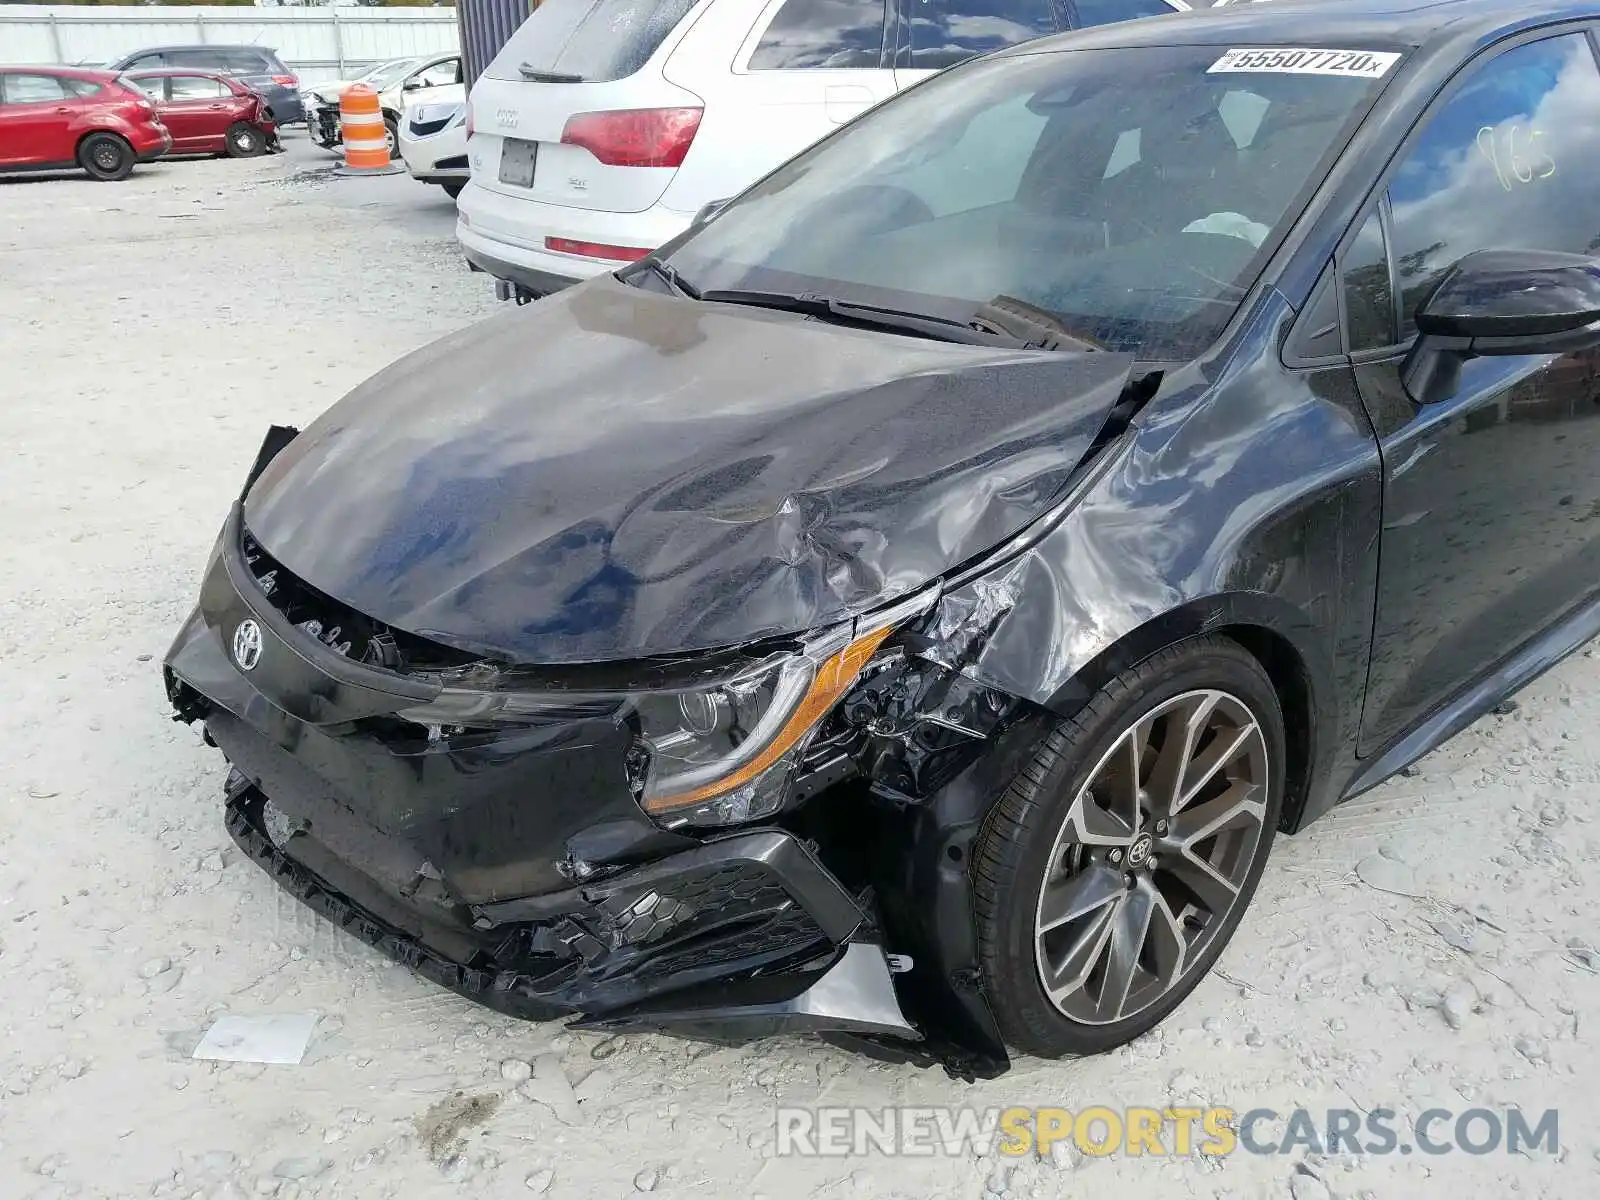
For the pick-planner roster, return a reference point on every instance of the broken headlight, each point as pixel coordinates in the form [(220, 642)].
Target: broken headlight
[(718, 753), (723, 754)]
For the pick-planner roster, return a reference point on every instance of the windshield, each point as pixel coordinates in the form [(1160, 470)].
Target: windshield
[(386, 75), (1134, 193)]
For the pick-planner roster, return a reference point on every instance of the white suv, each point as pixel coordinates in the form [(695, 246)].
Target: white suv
[(603, 126)]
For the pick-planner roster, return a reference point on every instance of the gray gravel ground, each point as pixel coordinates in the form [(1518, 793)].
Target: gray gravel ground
[(1431, 945)]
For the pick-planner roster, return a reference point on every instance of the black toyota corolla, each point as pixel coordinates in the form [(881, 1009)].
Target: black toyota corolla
[(906, 607)]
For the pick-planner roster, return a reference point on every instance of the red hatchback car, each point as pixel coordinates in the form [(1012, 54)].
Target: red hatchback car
[(54, 118), (209, 113)]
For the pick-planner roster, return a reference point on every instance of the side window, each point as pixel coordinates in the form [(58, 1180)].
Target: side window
[(945, 32), (822, 34), (246, 62), (35, 89), (81, 88), (147, 62), (441, 74), (154, 86), (1368, 295), (196, 87), (195, 56), (1509, 162), (1108, 12)]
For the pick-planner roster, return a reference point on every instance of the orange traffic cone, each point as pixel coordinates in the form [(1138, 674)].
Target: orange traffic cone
[(366, 142)]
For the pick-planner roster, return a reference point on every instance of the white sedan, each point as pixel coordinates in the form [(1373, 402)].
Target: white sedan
[(433, 140)]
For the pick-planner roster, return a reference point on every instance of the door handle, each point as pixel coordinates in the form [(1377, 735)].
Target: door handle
[(64, 109), (217, 106)]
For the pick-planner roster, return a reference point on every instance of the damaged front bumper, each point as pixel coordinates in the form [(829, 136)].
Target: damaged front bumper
[(322, 122), (629, 953), (515, 867)]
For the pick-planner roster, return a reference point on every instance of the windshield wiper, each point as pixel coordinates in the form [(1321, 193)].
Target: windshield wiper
[(667, 272), (832, 308), (1043, 328), (534, 75)]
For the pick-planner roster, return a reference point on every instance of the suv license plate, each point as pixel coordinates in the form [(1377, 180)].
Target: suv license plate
[(517, 159)]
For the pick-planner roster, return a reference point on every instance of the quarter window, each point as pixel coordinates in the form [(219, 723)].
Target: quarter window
[(945, 32), (1507, 163), (1368, 295), (822, 34)]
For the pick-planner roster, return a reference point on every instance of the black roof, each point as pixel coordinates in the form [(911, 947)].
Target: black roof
[(1323, 22)]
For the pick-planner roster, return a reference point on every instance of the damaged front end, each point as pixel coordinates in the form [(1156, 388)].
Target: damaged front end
[(646, 831), (522, 844)]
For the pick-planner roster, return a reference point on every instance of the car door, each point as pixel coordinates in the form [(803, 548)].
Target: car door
[(197, 111), (1491, 512), (935, 34), (35, 119)]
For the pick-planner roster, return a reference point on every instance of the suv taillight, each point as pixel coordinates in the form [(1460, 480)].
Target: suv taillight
[(635, 137), (287, 81)]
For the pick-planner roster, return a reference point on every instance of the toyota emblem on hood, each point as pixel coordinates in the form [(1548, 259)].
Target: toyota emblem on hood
[(247, 644)]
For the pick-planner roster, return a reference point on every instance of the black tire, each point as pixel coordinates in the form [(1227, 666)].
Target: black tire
[(391, 132), (1018, 844), (244, 140), (106, 156), (452, 189)]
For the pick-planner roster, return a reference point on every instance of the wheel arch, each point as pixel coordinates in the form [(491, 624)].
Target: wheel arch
[(96, 131), (1280, 637)]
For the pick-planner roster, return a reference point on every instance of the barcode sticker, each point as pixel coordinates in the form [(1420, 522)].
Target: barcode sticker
[(1363, 64)]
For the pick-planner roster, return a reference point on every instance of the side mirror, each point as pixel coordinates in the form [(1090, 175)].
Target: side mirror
[(1502, 302), (411, 85), (709, 211)]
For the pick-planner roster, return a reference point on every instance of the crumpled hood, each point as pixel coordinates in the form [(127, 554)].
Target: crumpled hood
[(614, 474)]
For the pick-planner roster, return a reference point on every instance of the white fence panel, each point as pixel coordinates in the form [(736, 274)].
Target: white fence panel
[(315, 43)]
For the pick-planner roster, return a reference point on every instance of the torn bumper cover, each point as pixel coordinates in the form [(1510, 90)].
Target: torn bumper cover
[(746, 905), (517, 869)]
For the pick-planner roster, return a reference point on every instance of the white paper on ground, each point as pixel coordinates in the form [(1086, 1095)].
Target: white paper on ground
[(274, 1038)]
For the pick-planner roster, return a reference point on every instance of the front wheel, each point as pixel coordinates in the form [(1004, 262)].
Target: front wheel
[(244, 141), (106, 156), (1111, 874), (391, 137)]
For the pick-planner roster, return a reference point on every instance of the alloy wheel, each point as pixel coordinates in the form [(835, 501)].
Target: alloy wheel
[(1151, 857), (107, 157)]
